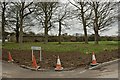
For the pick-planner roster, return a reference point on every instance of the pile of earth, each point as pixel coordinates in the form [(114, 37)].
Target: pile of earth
[(68, 60)]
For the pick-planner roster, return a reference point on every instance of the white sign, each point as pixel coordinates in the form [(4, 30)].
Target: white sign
[(35, 48)]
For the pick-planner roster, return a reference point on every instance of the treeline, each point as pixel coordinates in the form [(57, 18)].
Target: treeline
[(23, 16), (79, 39), (31, 37)]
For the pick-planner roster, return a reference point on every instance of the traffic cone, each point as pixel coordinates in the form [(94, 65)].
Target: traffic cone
[(94, 62), (58, 66), (10, 58), (34, 63)]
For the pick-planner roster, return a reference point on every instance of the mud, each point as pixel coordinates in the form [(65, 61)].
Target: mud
[(68, 60)]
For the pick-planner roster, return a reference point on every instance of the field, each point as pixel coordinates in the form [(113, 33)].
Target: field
[(67, 46), (72, 54)]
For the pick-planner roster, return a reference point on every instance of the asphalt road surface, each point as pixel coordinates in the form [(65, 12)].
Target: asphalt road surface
[(14, 71), (0, 69)]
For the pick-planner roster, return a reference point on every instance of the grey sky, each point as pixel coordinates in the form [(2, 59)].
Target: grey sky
[(77, 28), (113, 31)]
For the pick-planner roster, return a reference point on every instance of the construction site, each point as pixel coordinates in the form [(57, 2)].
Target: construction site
[(49, 60), (55, 39)]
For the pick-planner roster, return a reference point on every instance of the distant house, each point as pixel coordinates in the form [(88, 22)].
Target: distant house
[(11, 37), (33, 38), (40, 38), (26, 38)]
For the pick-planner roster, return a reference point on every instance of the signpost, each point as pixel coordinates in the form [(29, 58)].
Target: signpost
[(37, 48)]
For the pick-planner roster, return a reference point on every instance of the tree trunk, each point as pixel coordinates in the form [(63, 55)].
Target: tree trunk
[(96, 36), (46, 32), (46, 35), (84, 25), (21, 24), (60, 32), (96, 27), (21, 31), (17, 29), (85, 34), (46, 29), (3, 23), (17, 35)]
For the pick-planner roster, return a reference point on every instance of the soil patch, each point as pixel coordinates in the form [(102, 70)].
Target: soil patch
[(68, 60)]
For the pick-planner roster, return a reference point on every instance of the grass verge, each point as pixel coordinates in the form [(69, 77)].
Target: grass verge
[(66, 47)]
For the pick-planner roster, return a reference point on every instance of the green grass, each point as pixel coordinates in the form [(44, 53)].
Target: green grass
[(66, 47)]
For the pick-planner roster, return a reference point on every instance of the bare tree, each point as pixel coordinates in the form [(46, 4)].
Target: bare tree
[(62, 15), (44, 12), (14, 17), (3, 6), (83, 13), (103, 17), (22, 14)]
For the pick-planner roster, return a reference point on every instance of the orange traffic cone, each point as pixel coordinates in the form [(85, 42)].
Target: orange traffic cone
[(10, 58), (58, 66), (34, 63), (94, 62)]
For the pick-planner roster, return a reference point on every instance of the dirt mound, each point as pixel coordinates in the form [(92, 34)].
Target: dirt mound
[(68, 60)]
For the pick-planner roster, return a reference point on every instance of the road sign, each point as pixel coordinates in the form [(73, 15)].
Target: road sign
[(37, 48)]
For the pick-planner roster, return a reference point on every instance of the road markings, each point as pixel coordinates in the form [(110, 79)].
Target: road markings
[(83, 71), (104, 64)]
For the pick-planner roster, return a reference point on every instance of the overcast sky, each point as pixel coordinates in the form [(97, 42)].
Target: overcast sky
[(77, 28)]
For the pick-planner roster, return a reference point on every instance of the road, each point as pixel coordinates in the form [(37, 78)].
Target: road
[(0, 69), (14, 71)]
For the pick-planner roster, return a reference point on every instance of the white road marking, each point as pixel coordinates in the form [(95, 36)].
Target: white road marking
[(83, 71)]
